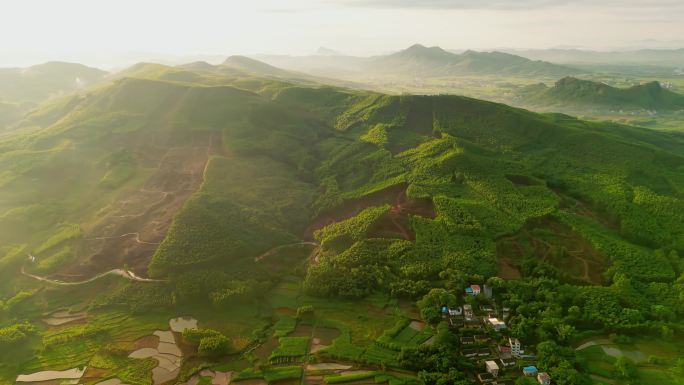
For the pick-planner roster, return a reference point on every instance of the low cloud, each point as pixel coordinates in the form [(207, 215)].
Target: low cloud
[(507, 4)]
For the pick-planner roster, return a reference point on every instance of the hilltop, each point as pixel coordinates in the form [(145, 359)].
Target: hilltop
[(39, 82), (571, 92)]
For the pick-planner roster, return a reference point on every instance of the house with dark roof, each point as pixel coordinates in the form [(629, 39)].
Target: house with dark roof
[(507, 362), (483, 352)]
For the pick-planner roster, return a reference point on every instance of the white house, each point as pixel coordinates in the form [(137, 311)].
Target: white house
[(497, 324), (455, 311), (492, 368), (515, 347)]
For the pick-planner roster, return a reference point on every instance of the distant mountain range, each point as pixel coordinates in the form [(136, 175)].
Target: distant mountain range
[(654, 57), (421, 61), (37, 83), (572, 92)]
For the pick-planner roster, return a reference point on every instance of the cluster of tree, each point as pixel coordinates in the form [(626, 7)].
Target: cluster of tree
[(13, 335), (350, 230), (210, 343), (228, 234), (137, 297), (438, 364)]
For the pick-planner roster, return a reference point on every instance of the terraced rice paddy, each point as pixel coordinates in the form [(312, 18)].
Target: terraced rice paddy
[(49, 375), (181, 323), (63, 317), (167, 352)]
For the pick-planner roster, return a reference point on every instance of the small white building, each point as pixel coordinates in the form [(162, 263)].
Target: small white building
[(492, 368), (496, 323), (516, 350), (455, 311)]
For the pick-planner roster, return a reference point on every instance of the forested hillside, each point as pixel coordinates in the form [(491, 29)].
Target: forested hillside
[(275, 207)]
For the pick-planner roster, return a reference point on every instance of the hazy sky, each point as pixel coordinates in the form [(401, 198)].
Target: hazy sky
[(113, 32)]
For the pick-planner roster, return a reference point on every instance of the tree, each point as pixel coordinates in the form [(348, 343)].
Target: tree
[(526, 381), (565, 374), (431, 303), (565, 332), (625, 368), (213, 346)]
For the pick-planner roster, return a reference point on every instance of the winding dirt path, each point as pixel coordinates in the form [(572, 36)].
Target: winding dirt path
[(120, 272), (137, 238)]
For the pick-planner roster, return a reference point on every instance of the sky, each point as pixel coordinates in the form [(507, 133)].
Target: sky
[(112, 33)]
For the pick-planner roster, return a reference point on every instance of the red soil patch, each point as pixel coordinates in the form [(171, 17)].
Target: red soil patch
[(554, 243), (146, 342), (507, 270), (326, 336), (394, 225), (130, 229), (92, 374), (313, 380)]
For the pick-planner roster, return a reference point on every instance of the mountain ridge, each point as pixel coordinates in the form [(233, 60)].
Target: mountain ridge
[(570, 91)]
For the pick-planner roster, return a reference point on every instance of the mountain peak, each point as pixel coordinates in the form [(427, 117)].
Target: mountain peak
[(419, 48), (323, 51)]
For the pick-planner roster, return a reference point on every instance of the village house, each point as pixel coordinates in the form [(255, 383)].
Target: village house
[(530, 371), (476, 289), (483, 352), (492, 368), (485, 378), (469, 353), (514, 343), (504, 351), (481, 338), (496, 324), (468, 312), (486, 308), (544, 378), (507, 362), (467, 340), (469, 291), (457, 311)]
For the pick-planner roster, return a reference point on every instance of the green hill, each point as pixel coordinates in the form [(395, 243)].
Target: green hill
[(573, 92), (266, 207), (254, 67), (37, 83)]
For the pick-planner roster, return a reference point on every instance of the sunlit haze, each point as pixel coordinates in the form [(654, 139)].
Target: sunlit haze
[(114, 33)]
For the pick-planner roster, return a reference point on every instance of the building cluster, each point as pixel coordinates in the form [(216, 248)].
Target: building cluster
[(483, 339)]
